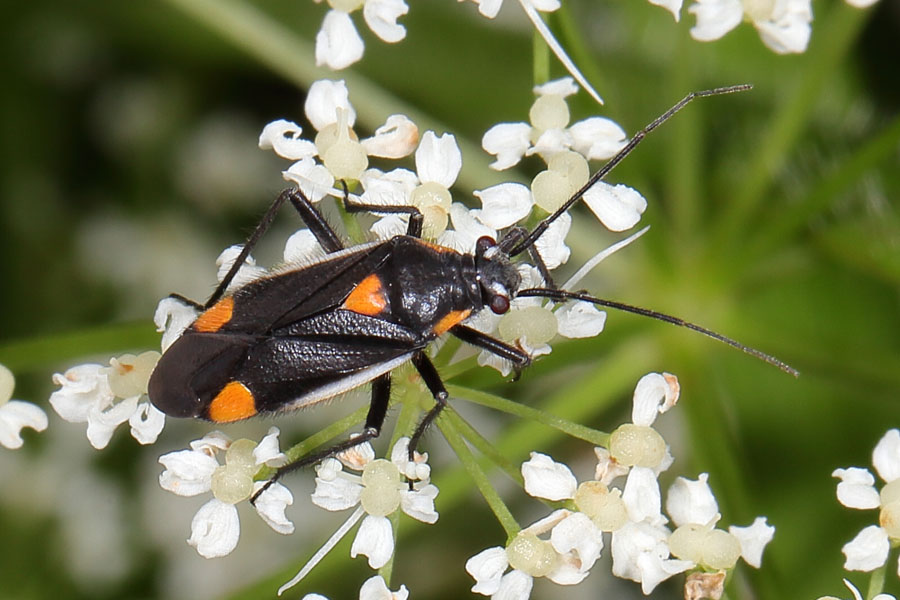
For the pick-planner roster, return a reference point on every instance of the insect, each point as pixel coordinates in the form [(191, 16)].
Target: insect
[(296, 338)]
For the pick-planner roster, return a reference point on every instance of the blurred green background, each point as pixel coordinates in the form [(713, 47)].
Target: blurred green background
[(129, 161)]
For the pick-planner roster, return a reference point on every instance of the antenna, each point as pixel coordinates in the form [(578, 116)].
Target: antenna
[(554, 294), (541, 227)]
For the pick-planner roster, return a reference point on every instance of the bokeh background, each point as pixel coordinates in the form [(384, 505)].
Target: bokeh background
[(129, 161)]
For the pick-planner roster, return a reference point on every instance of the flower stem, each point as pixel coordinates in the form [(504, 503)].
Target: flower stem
[(876, 582), (499, 508)]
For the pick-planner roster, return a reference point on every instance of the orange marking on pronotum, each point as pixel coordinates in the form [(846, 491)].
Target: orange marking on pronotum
[(450, 319), (218, 314), (233, 403), (367, 298)]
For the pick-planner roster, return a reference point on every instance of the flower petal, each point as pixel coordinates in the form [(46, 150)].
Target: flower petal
[(338, 44), (597, 138), (886, 456), (857, 488), (267, 451), (375, 588), (548, 479), (692, 502), (641, 495), (753, 540), (504, 205), (578, 535), (395, 139), (618, 207), (146, 423), (336, 494), (83, 388), (487, 568), (324, 99), (515, 585), (374, 539), (564, 86), (302, 248), (868, 550), (640, 553), (103, 423), (172, 317), (552, 244), (215, 529), (508, 142), (654, 393), (15, 415), (271, 505), (313, 179), (419, 504), (673, 6), (381, 17), (438, 159), (579, 320), (187, 473), (715, 18), (284, 137), (787, 30)]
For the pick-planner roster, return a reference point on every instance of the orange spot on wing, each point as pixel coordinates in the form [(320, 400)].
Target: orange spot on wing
[(367, 298), (233, 403), (218, 314), (450, 319), (437, 248)]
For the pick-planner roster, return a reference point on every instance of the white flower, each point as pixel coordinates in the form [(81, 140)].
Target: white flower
[(215, 528), (16, 414), (857, 595), (531, 322), (106, 397), (565, 559), (336, 152), (379, 490), (673, 6), (783, 25), (695, 512), (374, 588), (548, 132), (869, 549), (640, 553), (338, 45), (618, 207)]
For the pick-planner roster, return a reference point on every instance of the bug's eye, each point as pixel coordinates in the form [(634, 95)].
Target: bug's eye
[(500, 305), (483, 244)]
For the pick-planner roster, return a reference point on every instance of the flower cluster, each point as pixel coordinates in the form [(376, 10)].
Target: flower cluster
[(215, 528), (16, 414), (104, 397), (783, 25), (643, 548), (869, 549)]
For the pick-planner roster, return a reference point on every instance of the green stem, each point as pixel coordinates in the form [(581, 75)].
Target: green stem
[(540, 55), (876, 582), (499, 508), (483, 445), (570, 428)]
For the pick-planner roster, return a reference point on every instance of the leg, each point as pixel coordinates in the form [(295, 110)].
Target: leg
[(491, 344), (311, 217), (416, 219), (433, 381), (381, 395)]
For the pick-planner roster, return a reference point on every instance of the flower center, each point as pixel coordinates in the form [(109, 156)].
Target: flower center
[(605, 508), (531, 555), (637, 446), (533, 324), (381, 488), (549, 112), (233, 481)]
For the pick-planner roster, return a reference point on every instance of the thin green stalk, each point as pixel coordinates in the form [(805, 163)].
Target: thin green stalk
[(483, 445), (598, 438), (876, 581), (499, 508), (303, 448), (292, 57)]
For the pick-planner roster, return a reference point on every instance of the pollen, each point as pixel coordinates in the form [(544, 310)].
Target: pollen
[(233, 403), (215, 318)]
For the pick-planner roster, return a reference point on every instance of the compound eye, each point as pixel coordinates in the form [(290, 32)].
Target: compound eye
[(500, 305), (484, 244)]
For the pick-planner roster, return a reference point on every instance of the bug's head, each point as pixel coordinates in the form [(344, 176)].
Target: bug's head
[(497, 275)]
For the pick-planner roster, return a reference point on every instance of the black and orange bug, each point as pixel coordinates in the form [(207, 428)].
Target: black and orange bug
[(303, 335)]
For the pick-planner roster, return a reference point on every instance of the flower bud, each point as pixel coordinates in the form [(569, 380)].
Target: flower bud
[(721, 550), (381, 492), (533, 324), (605, 507), (549, 112)]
